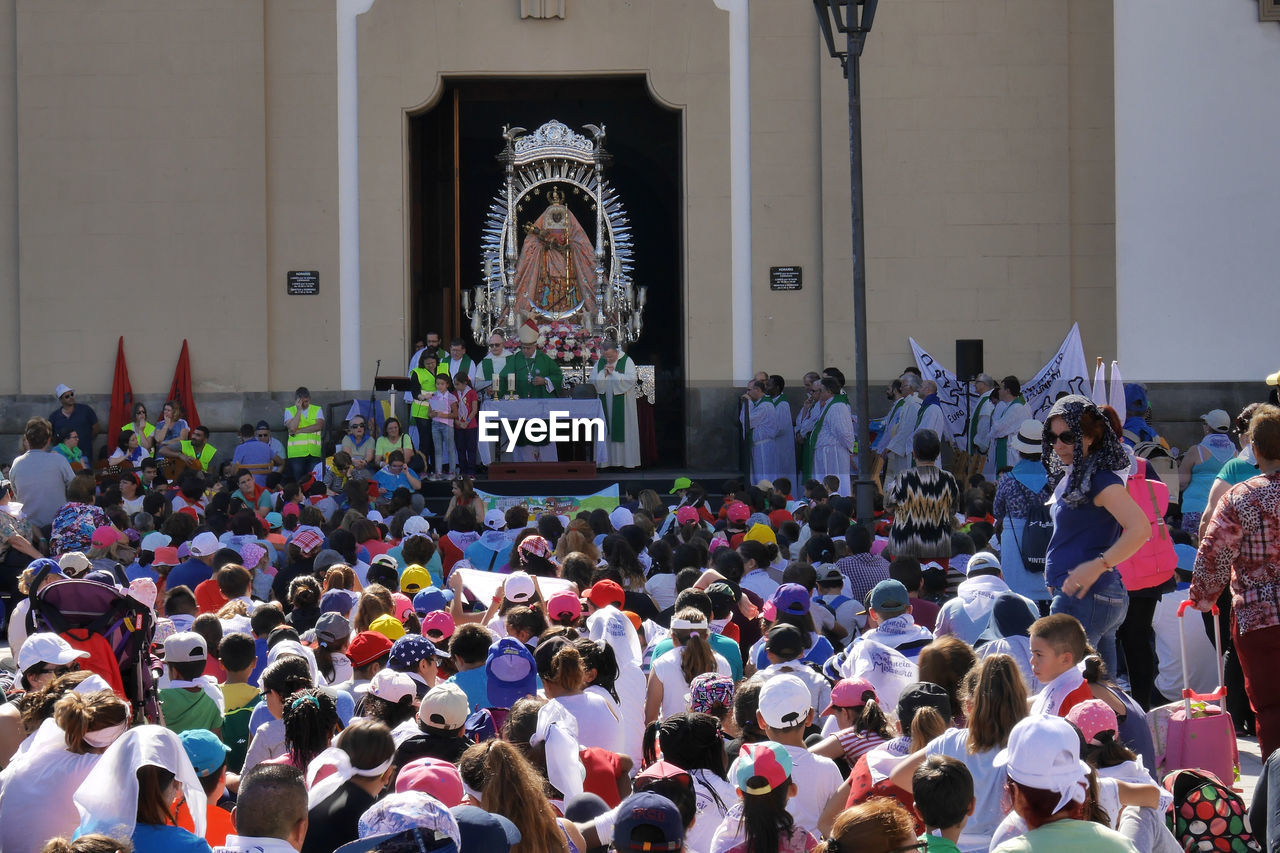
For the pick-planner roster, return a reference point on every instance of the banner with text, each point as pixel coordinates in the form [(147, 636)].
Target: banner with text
[(1066, 371), (569, 505)]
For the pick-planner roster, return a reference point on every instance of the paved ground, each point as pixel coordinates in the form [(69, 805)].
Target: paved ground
[(1250, 767)]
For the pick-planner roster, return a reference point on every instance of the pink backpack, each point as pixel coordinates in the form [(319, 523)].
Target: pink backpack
[(1156, 559)]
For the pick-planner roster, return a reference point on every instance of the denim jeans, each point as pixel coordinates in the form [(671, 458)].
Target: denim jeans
[(1100, 612), (446, 454)]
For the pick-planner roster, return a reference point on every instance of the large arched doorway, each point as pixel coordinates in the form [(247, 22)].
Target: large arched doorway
[(454, 175)]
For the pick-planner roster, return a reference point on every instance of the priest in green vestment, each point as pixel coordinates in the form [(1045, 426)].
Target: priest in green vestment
[(615, 378), (537, 376)]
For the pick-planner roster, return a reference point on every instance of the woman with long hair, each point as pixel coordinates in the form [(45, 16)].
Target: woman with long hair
[(36, 789), (691, 655), (464, 494), (131, 791), (128, 451), (691, 741), (946, 662), (759, 821), (995, 699), (345, 780), (375, 601), (564, 680), (1096, 525), (607, 773), (575, 541), (508, 785)]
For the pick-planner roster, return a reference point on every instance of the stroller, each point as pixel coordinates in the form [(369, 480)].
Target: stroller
[(115, 629)]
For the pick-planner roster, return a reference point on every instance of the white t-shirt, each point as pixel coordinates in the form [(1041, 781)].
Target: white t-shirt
[(667, 670), (709, 815), (816, 778), (662, 589), (760, 582), (598, 724)]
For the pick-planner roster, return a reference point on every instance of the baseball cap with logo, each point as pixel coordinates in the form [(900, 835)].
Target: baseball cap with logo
[(519, 587), (415, 578), (494, 519), (606, 592), (444, 707), (185, 647), (888, 598), (367, 647), (205, 545), (511, 672), (653, 813), (762, 768), (785, 701)]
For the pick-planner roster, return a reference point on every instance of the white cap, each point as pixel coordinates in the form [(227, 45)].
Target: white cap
[(375, 516), (445, 706), (62, 389), (205, 545), (416, 525), (391, 686), (495, 519), (982, 560), (46, 647), (74, 564), (1044, 753), (784, 701), (519, 587), (155, 539), (185, 647), (1217, 420), (621, 517)]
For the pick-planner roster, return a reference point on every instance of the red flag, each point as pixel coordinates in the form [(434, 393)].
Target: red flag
[(121, 397), (180, 390)]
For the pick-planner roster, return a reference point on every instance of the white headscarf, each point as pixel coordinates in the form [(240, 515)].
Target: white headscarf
[(332, 769), (293, 647), (558, 730), (609, 624), (108, 797)]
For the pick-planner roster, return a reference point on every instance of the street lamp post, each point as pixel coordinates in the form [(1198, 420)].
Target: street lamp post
[(853, 19)]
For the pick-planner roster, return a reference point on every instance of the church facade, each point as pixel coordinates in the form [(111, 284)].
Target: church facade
[(167, 166)]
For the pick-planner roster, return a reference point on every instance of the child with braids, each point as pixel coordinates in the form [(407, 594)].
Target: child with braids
[(759, 822), (310, 722)]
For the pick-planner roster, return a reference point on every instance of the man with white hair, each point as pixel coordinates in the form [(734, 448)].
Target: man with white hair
[(897, 450), (615, 379), (930, 414), (490, 367)]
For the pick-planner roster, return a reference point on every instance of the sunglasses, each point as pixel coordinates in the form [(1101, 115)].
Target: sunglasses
[(1066, 437), (359, 425), (67, 395)]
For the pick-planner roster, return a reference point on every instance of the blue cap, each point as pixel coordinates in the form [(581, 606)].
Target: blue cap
[(338, 601), (206, 752), (432, 599), (410, 650), (484, 832), (1186, 557), (511, 672), (649, 810)]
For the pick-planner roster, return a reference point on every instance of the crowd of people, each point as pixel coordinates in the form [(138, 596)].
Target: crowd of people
[(336, 668)]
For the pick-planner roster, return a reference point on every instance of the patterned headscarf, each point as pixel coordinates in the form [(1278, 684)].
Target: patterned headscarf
[(1107, 454), (708, 690)]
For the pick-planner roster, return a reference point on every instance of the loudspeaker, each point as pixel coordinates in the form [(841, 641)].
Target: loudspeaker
[(968, 358)]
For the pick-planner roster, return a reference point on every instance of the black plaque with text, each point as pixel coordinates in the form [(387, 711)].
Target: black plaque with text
[(784, 278), (303, 282)]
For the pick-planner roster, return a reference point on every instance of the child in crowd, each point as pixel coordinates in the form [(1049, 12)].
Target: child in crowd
[(239, 658), (180, 607), (1058, 644), (861, 723), (184, 703), (763, 777), (943, 791)]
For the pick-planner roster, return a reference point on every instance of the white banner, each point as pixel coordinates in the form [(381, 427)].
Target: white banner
[(1066, 371), (484, 585)]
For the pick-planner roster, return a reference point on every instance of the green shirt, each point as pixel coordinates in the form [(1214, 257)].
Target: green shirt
[(530, 373), (1236, 470), (185, 709), (1068, 836), (938, 844)]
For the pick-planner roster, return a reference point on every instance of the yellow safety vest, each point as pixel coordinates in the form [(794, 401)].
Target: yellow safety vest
[(304, 443), (427, 382), (148, 429), (205, 456)]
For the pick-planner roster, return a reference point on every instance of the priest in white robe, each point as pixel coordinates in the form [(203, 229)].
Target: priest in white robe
[(760, 428), (783, 459), (615, 380), (1006, 418), (897, 450), (834, 437), (490, 367)]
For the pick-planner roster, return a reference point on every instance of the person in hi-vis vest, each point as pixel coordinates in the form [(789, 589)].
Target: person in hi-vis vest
[(305, 425)]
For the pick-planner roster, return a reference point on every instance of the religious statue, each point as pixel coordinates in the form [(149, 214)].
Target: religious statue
[(556, 268)]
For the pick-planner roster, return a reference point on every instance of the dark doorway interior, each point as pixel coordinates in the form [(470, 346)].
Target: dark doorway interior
[(463, 131)]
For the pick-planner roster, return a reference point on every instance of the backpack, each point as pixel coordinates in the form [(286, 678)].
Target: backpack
[(1037, 530), (1161, 461), (1155, 561), (235, 733), (1208, 815)]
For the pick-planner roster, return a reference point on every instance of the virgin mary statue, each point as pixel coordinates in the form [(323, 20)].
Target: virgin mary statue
[(556, 269)]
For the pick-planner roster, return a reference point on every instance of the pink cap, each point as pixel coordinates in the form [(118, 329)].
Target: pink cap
[(848, 693), (738, 511), (1092, 717), (686, 515), (438, 622), (166, 556), (106, 536), (432, 776), (564, 604), (878, 545), (291, 508), (403, 605)]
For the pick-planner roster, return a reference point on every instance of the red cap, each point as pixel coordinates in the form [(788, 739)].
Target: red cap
[(604, 593), (367, 647)]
